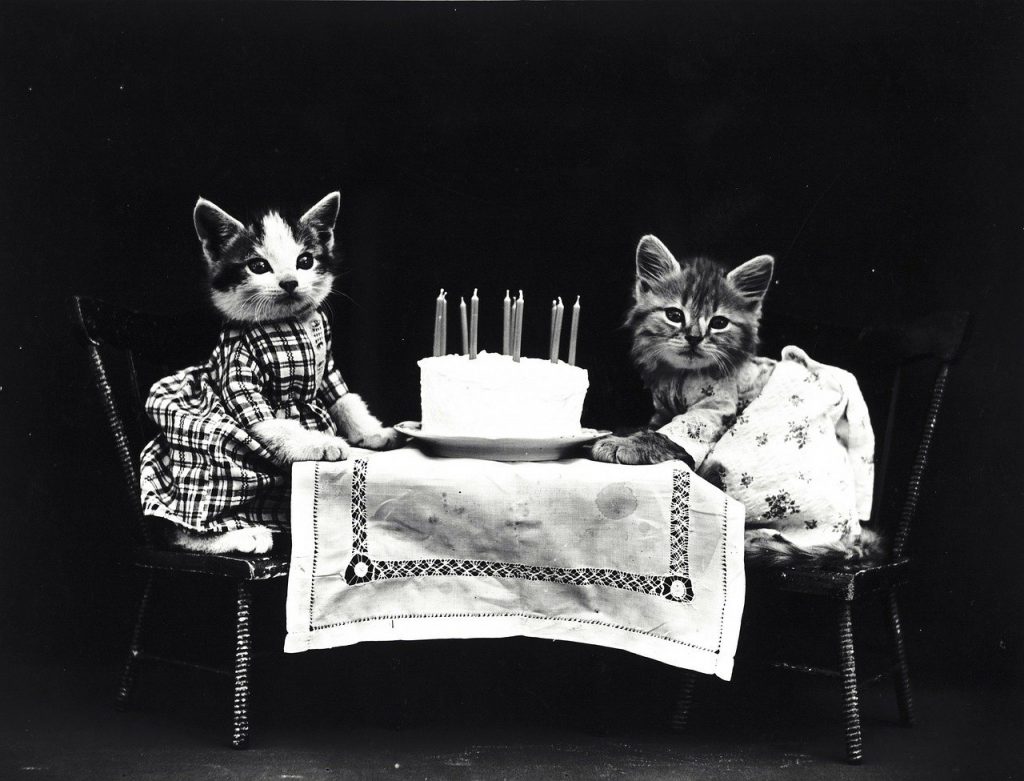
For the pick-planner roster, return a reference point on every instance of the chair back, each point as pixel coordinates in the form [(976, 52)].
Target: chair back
[(128, 351), (903, 371)]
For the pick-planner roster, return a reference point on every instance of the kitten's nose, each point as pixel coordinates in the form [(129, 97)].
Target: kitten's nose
[(288, 285), (693, 340)]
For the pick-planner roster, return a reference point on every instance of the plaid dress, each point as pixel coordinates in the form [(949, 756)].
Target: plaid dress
[(204, 470)]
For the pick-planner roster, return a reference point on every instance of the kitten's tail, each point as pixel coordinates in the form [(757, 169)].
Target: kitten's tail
[(767, 547)]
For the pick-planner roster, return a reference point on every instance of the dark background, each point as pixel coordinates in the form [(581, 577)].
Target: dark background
[(874, 150)]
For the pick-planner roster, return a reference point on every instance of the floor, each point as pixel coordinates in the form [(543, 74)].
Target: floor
[(332, 715)]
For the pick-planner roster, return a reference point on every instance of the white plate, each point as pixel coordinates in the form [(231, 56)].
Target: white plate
[(503, 449)]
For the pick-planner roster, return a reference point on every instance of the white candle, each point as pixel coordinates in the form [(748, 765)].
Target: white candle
[(512, 328), (437, 323), (551, 331), (506, 315), (444, 322), (517, 350), (573, 330), (556, 331), (474, 324), (465, 325)]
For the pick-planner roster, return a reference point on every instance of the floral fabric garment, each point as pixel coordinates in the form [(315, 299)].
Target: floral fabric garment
[(799, 454), (204, 470), (708, 406)]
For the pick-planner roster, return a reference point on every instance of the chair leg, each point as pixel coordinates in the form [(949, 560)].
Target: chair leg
[(903, 698), (848, 667), (131, 665), (681, 714), (243, 662)]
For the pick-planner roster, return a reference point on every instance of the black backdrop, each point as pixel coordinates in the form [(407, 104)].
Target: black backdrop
[(875, 151)]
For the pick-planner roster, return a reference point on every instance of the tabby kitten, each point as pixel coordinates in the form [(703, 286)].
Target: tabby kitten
[(694, 328), (268, 396), (695, 333)]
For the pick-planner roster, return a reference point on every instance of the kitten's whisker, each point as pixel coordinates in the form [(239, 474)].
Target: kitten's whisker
[(251, 299), (263, 307)]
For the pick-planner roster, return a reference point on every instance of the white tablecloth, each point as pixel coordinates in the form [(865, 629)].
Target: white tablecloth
[(403, 546)]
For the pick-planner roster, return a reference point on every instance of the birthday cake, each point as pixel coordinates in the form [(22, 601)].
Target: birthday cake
[(495, 396)]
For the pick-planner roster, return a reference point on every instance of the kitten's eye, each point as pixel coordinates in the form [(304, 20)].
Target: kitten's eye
[(258, 265), (674, 315), (305, 260), (718, 322)]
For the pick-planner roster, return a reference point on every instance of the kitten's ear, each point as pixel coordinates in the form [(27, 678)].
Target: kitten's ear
[(653, 262), (215, 228), (322, 217), (751, 279)]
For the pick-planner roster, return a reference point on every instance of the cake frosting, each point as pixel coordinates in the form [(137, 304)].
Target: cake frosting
[(494, 396)]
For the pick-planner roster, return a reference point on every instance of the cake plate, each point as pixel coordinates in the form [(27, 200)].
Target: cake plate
[(499, 449)]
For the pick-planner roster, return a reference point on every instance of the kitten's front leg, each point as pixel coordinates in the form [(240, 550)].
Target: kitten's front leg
[(289, 441), (644, 447), (361, 428)]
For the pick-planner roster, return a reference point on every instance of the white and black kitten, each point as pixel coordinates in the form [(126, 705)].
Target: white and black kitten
[(269, 395), (273, 270)]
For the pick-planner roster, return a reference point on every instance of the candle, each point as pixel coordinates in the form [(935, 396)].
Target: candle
[(517, 350), (506, 313), (444, 322), (573, 329), (465, 325), (512, 328), (556, 336), (474, 324), (551, 332), (437, 323)]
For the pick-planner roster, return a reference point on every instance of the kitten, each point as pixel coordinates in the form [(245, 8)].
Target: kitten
[(268, 397), (694, 328), (695, 335)]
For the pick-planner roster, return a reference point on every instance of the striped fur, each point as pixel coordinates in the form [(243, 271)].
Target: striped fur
[(701, 290), (643, 447), (764, 546), (667, 352)]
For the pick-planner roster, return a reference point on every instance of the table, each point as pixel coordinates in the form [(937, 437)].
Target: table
[(404, 546)]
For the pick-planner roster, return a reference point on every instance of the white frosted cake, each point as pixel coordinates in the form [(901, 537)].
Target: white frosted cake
[(494, 396)]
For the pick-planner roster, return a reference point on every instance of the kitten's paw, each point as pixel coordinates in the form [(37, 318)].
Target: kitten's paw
[(332, 449), (288, 442), (252, 539), (313, 446), (644, 447), (383, 439), (616, 450), (256, 540)]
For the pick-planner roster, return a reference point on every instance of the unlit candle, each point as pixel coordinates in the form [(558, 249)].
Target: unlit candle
[(444, 323), (556, 334), (573, 330), (551, 332), (463, 321), (474, 324), (506, 316), (517, 349), (437, 323)]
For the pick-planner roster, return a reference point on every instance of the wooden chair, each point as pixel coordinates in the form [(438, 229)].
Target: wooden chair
[(913, 363), (127, 352)]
